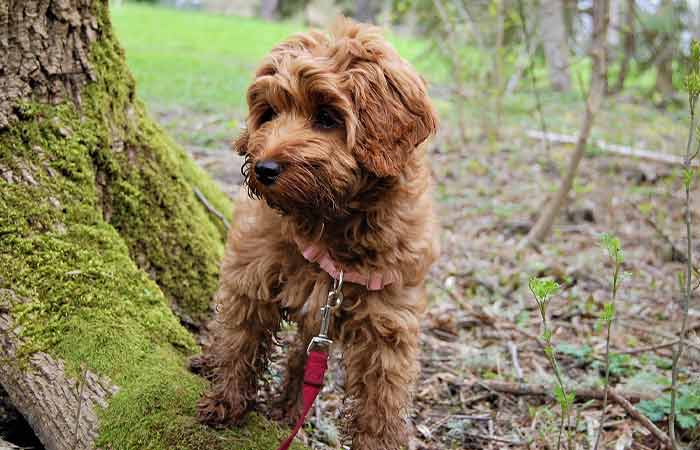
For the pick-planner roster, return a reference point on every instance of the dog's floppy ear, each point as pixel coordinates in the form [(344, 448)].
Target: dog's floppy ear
[(240, 144), (394, 114)]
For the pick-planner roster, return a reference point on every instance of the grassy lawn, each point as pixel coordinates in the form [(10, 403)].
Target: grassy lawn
[(204, 62)]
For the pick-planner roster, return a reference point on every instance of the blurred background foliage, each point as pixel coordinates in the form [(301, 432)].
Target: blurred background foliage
[(484, 59)]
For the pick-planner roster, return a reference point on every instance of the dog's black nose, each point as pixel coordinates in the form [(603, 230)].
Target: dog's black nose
[(267, 171)]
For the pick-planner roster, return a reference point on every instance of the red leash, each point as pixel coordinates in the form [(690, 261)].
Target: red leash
[(317, 361), (315, 370)]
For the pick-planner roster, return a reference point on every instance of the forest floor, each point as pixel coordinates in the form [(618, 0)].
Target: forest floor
[(482, 321), (480, 333)]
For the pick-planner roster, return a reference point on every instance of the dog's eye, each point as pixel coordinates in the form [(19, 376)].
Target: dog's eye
[(268, 115), (326, 119)]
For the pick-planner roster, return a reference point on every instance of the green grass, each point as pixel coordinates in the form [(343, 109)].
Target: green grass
[(205, 62)]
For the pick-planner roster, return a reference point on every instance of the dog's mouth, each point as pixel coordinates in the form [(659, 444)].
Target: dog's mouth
[(298, 191)]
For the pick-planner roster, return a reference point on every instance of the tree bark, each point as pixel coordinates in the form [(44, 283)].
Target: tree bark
[(48, 59), (268, 9), (556, 48), (663, 60), (70, 418), (101, 239), (542, 227), (629, 46), (664, 75)]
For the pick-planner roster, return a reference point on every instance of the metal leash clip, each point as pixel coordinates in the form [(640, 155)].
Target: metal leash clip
[(333, 301)]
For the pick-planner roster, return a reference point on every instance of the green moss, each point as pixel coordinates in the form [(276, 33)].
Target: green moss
[(149, 189), (99, 233), (151, 405)]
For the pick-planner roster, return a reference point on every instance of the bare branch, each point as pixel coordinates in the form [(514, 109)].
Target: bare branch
[(541, 229), (210, 207), (611, 148)]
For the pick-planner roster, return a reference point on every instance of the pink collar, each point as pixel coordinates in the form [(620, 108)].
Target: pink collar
[(374, 281)]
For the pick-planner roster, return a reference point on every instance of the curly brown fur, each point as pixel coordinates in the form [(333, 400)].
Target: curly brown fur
[(345, 118)]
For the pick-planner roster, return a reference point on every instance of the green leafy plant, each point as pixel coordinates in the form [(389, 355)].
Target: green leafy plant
[(579, 352), (692, 84), (612, 246), (647, 380), (543, 289), (687, 407), (617, 365)]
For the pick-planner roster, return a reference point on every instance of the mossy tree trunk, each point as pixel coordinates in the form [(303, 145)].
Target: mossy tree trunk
[(105, 252)]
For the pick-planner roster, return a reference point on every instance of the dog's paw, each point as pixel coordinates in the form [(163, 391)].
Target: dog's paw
[(370, 442), (201, 365), (286, 408), (278, 415), (215, 411), (284, 414)]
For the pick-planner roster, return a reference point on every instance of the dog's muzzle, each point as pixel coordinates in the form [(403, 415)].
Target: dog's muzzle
[(267, 171)]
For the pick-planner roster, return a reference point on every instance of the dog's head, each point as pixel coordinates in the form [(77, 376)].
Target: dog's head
[(327, 113)]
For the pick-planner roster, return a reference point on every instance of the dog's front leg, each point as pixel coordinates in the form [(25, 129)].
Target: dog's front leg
[(380, 351), (241, 343)]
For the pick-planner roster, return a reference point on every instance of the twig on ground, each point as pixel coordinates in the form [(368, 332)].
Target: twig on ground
[(210, 208), (516, 362), (680, 254), (646, 329), (541, 390), (495, 439), (650, 348), (489, 319), (621, 150), (462, 416), (693, 327), (639, 417), (475, 399), (439, 423), (639, 446)]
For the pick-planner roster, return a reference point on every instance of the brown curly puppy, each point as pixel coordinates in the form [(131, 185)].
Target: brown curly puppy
[(336, 179)]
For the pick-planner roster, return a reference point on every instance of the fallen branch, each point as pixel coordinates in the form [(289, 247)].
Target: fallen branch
[(500, 440), (650, 348), (516, 362), (646, 329), (676, 253), (210, 207), (541, 390), (621, 150), (639, 417), (621, 398)]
